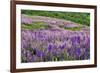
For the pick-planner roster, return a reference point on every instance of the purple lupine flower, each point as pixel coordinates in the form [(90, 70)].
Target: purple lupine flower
[(62, 46), (29, 56), (39, 53), (73, 39), (24, 44), (78, 51), (50, 47), (69, 51), (78, 39)]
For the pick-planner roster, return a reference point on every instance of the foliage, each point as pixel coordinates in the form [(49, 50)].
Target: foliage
[(81, 18)]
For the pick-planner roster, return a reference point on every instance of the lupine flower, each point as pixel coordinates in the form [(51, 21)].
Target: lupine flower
[(78, 51), (62, 46), (50, 47)]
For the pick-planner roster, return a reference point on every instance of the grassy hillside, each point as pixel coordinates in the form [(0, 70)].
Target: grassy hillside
[(81, 18)]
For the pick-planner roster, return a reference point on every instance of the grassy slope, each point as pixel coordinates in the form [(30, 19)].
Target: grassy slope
[(81, 18)]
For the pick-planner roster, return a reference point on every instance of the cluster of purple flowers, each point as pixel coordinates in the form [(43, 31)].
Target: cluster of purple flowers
[(26, 20), (48, 45), (54, 44)]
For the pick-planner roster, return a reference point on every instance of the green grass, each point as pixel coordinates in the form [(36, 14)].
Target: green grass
[(26, 26), (81, 18), (71, 28), (35, 25), (42, 25)]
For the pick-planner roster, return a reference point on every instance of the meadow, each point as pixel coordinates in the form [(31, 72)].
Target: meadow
[(54, 36)]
